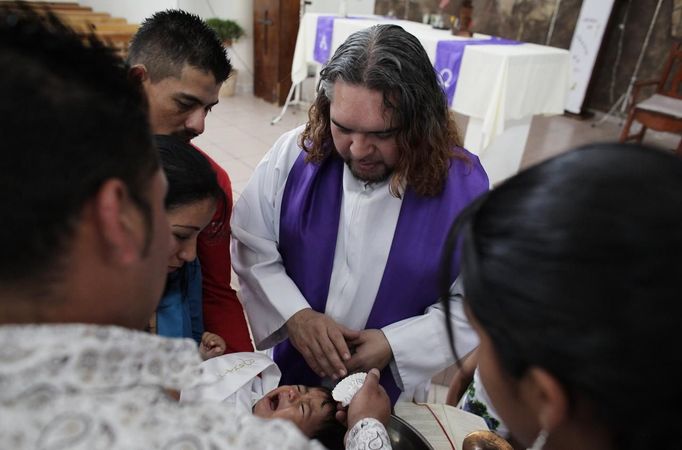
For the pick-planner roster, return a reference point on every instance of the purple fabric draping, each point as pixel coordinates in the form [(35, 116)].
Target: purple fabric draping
[(449, 60), (323, 38), (309, 223), (323, 35)]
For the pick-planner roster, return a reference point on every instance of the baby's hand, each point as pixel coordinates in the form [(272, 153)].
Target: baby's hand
[(211, 346)]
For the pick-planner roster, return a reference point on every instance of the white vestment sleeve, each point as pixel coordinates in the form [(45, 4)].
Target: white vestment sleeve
[(368, 434), (420, 344), (270, 297)]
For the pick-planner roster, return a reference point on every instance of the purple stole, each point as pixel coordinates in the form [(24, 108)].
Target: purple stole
[(309, 224), (449, 56)]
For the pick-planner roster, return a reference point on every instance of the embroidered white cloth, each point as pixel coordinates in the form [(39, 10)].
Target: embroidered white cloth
[(95, 387), (242, 379)]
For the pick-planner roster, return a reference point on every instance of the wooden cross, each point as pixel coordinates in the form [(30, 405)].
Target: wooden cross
[(266, 23)]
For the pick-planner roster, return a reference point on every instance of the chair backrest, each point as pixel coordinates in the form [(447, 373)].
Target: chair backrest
[(671, 79)]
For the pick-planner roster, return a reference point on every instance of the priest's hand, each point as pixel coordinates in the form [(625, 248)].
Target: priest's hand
[(370, 401), (371, 349), (321, 341)]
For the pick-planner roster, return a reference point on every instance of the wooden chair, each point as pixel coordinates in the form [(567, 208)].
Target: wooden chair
[(663, 110)]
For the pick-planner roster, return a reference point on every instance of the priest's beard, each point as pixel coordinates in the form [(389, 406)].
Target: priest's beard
[(374, 172)]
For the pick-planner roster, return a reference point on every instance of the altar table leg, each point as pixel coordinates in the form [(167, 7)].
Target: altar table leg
[(502, 157)]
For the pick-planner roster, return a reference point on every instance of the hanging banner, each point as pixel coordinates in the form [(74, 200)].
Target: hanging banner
[(323, 38), (587, 40), (449, 60)]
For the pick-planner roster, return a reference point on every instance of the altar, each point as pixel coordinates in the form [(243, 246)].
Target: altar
[(499, 87)]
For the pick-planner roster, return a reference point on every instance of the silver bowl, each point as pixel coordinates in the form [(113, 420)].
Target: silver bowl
[(404, 436)]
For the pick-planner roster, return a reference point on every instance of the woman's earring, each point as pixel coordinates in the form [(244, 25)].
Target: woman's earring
[(540, 440)]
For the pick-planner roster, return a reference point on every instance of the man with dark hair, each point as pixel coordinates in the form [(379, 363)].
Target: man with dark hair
[(181, 64), (338, 234), (79, 162), (85, 241)]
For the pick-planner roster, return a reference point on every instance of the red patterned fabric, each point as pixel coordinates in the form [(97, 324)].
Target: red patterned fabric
[(223, 313)]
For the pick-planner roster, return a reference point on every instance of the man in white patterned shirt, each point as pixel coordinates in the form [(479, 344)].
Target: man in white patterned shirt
[(85, 242)]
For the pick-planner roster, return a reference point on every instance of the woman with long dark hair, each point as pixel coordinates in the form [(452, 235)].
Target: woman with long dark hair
[(193, 195), (572, 279)]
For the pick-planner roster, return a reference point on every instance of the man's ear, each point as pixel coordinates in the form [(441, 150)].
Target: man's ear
[(545, 396), (120, 223), (139, 72)]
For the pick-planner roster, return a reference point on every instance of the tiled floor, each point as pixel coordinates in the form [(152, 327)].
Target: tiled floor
[(238, 134)]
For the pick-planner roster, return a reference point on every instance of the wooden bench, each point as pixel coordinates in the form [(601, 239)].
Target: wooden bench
[(116, 35), (52, 6), (81, 15), (114, 31), (86, 24)]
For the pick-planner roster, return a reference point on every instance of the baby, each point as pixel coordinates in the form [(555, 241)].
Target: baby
[(248, 381)]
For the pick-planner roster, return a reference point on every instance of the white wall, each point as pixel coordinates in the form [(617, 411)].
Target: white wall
[(335, 6), (241, 52), (134, 11), (241, 11)]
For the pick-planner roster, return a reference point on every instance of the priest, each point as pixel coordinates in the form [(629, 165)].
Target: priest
[(337, 237)]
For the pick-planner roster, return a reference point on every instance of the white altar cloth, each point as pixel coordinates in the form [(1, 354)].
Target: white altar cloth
[(500, 87)]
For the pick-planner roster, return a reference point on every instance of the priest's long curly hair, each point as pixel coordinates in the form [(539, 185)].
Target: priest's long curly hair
[(388, 59)]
